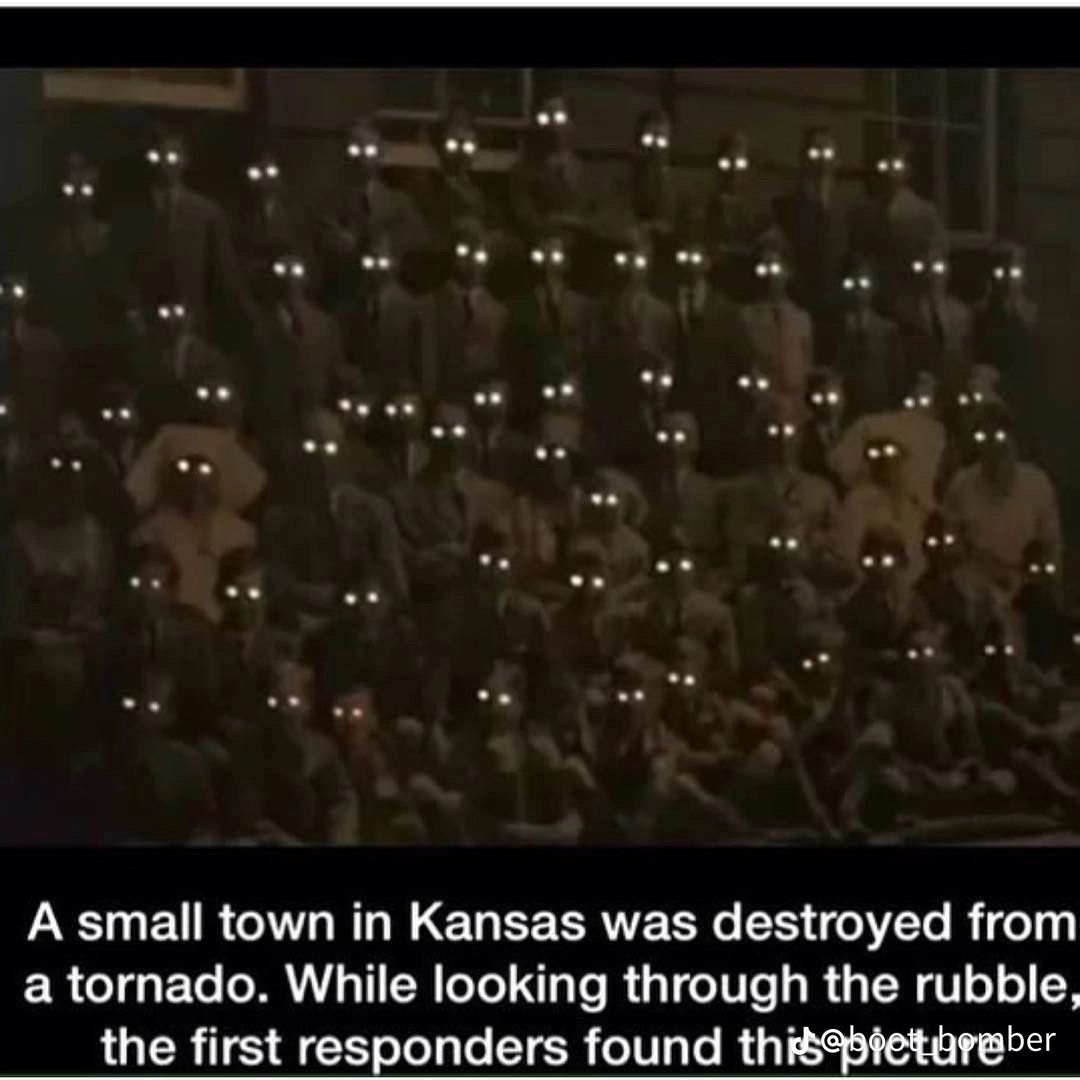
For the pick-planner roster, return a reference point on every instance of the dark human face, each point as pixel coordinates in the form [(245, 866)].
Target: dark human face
[(363, 148), (656, 384), (930, 272), (288, 275), (377, 266), (167, 159), (14, 295), (264, 176), (818, 669), (882, 564), (63, 487), (490, 404), (494, 568), (215, 402), (243, 601), (820, 154), (676, 443), (404, 416), (858, 287), (884, 459), (785, 552), (674, 572), (459, 148), (994, 445), (118, 418), (172, 319), (588, 586), (79, 188), (470, 262), (553, 123), (633, 265), (356, 412), (691, 263), (561, 396), (603, 509), (654, 140), (732, 163), (892, 172), (364, 604), (196, 483), (781, 442), (149, 707), (353, 713), (772, 271), (549, 258), (152, 586), (941, 546), (554, 468), (449, 443), (826, 401)]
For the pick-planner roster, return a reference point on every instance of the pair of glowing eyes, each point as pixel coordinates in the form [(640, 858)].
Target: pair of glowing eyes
[(564, 390), (289, 269), (358, 408), (753, 382), (406, 408), (1035, 569), (677, 678), (579, 581), (821, 153), (488, 398), (312, 446), (689, 258), (368, 150), (555, 257), (489, 561), (130, 704), (665, 566), (965, 400), (1003, 272), (638, 261), (886, 450), (166, 312), (938, 267), (893, 165), (923, 401), (557, 118), (201, 468), (214, 393), (376, 262), (945, 540), (781, 431), (122, 414), (234, 592), (156, 157), (677, 436), (769, 269), (733, 164), (865, 284), (550, 453), (654, 141), (477, 255), (85, 191), (998, 650), (998, 436), (153, 584), (886, 561), (662, 379), (453, 431), (460, 146), (58, 464), (927, 652), (263, 172), (502, 699), (784, 543), (354, 713), (598, 498), (630, 697), (825, 397), (16, 290), (292, 701), (811, 662), (352, 599)]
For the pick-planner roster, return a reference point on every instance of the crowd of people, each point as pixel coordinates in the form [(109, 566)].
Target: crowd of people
[(641, 518)]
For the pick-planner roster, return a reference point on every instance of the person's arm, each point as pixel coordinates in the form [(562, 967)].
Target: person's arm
[(335, 792)]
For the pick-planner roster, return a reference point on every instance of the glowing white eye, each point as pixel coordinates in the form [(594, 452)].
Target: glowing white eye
[(963, 400), (561, 117), (1008, 650), (368, 262), (891, 450), (560, 453), (153, 157), (724, 164), (76, 465), (597, 582), (298, 270), (882, 166), (372, 596), (469, 147), (918, 266), (135, 581), (438, 432), (813, 153), (576, 581), (808, 663), (979, 436), (898, 165), (989, 650), (697, 258), (363, 410), (485, 559), (661, 142), (354, 150), (383, 262), (254, 174), (662, 566), (330, 449), (673, 678), (344, 405), (480, 398), (452, 145), (309, 446), (640, 262), (792, 543), (280, 269), (742, 164), (662, 437), (203, 393), (773, 431), (18, 291), (462, 251), (540, 453), (459, 431), (1034, 568), (648, 376), (776, 542), (999, 272), (680, 437), (867, 561), (621, 258), (948, 539), (932, 541), (3, 409), (503, 564), (828, 153), (612, 499), (1050, 568), (232, 592), (929, 652), (351, 599), (68, 190), (480, 256), (272, 171), (183, 465), (224, 393), (647, 139), (776, 269), (873, 453), (408, 408), (549, 392), (689, 680), (107, 414), (567, 390), (1016, 273), (1001, 436), (938, 267), (849, 283), (537, 256), (557, 258), (391, 410), (888, 560), (495, 398), (596, 499), (832, 397), (744, 382), (128, 703), (543, 119), (272, 702), (682, 256), (639, 695), (154, 706), (505, 700), (293, 701), (761, 270), (371, 150), (205, 469), (761, 383)]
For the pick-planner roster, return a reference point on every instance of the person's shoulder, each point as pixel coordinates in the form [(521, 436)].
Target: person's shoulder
[(1034, 476)]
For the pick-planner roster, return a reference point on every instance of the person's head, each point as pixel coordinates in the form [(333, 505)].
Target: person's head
[(885, 458), (167, 157), (471, 260), (602, 509), (678, 439), (999, 651), (449, 437), (356, 411), (553, 123), (117, 417), (780, 438), (549, 257), (858, 283), (820, 155), (352, 712), (633, 261), (994, 439), (377, 265), (59, 493), (922, 395), (752, 388), (892, 170), (492, 554), (732, 160), (364, 603), (652, 137), (817, 661), (656, 379), (629, 702), (922, 656), (264, 176), (772, 271), (79, 184), (1007, 270), (192, 484), (942, 544), (1041, 569), (172, 317), (241, 590), (587, 579), (783, 551), (14, 295), (459, 143), (561, 395), (674, 569), (930, 271), (321, 452), (500, 698), (692, 263), (882, 557), (289, 702), (404, 416), (147, 703), (215, 402), (151, 584), (685, 678), (363, 146), (490, 404), (553, 468), (288, 276), (825, 395)]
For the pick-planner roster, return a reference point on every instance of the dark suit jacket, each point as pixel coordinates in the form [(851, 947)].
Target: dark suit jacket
[(870, 358)]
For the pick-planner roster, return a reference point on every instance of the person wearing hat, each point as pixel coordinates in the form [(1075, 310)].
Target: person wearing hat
[(868, 355), (1002, 503)]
